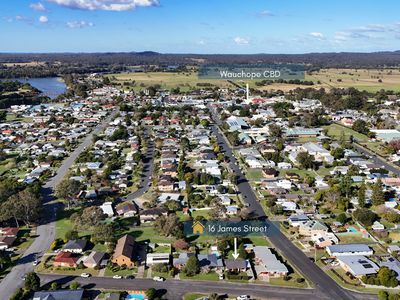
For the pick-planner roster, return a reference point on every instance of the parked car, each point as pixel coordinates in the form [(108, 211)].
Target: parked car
[(85, 275), (158, 278), (117, 277), (221, 276), (243, 297), (36, 262)]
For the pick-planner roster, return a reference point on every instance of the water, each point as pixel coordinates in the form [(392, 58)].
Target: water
[(50, 86)]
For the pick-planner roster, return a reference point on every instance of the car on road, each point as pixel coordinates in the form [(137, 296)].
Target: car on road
[(221, 277), (23, 277), (117, 277), (247, 204), (129, 277), (35, 262), (243, 297), (85, 275), (158, 278)]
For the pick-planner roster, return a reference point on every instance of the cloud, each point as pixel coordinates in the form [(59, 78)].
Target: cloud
[(241, 40), (111, 5), (24, 19), (43, 19), (79, 24), (317, 35), (265, 13), (38, 7), (201, 42)]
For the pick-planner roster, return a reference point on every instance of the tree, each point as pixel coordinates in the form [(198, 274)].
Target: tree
[(73, 285), (361, 195), (338, 153), (364, 216), (68, 189), (71, 235), (382, 295), (387, 277), (346, 185), (275, 131), (169, 226), (342, 218), (103, 233), (32, 282), (378, 195), (90, 217), (360, 126), (151, 293), (54, 286), (305, 160), (192, 266), (5, 259), (241, 251)]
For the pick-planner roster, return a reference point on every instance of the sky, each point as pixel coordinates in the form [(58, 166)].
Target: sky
[(200, 26)]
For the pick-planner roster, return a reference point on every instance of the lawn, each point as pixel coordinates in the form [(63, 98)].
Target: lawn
[(336, 131), (254, 174), (121, 272), (212, 276), (64, 224), (292, 282), (144, 233), (191, 296), (351, 238)]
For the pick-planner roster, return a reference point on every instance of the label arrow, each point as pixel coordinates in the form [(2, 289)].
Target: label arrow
[(235, 254)]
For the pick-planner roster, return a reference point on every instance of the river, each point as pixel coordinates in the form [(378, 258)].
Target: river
[(50, 86)]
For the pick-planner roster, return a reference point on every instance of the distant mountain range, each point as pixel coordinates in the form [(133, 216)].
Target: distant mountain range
[(313, 60)]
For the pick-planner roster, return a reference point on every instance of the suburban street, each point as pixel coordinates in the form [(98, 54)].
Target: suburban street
[(46, 230), (323, 283), (146, 173), (175, 289)]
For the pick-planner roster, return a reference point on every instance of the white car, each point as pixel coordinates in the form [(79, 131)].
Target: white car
[(117, 276), (85, 275), (243, 297), (35, 263), (158, 278), (221, 276)]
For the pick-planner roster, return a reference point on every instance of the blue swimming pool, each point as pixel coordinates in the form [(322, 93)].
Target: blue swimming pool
[(135, 296), (351, 229)]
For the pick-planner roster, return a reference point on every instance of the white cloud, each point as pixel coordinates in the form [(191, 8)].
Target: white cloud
[(201, 42), (265, 13), (112, 5), (24, 19), (38, 7), (79, 24), (241, 41), (317, 35), (43, 19)]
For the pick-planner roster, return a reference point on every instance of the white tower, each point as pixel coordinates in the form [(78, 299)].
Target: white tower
[(247, 93)]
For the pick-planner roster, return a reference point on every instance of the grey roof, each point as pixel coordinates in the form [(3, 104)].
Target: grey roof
[(359, 265), (75, 244), (235, 264), (269, 260), (59, 295), (209, 260), (95, 257), (341, 248), (182, 259)]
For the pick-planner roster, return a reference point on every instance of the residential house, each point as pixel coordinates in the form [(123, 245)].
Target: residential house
[(312, 227), (236, 265), (357, 265), (210, 262), (267, 264), (9, 231), (6, 242), (152, 214), (180, 262), (66, 260), (127, 209), (349, 249), (107, 209), (59, 295), (94, 259), (325, 239), (124, 251), (75, 246), (157, 258)]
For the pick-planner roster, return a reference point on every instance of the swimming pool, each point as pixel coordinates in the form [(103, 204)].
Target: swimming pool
[(351, 229), (135, 296)]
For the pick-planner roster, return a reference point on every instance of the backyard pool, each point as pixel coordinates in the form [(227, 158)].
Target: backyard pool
[(135, 296)]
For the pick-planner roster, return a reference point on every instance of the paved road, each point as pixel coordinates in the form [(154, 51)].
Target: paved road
[(46, 230), (377, 160), (323, 283), (175, 289), (147, 170)]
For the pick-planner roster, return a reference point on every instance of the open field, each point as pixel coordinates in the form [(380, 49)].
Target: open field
[(362, 79)]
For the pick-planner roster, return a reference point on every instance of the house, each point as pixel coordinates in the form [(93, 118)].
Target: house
[(296, 220), (210, 261), (152, 214), (236, 265), (124, 251), (59, 295), (9, 231), (94, 259), (157, 258), (269, 172), (182, 259), (377, 226), (107, 209), (6, 242), (66, 259), (75, 246), (312, 227), (127, 209), (357, 265), (349, 249), (267, 264), (325, 239), (393, 264)]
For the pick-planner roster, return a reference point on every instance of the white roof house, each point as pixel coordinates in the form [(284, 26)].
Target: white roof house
[(267, 262), (349, 249), (107, 208)]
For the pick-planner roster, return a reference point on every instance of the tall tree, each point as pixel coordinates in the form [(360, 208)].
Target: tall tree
[(361, 195), (378, 195)]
